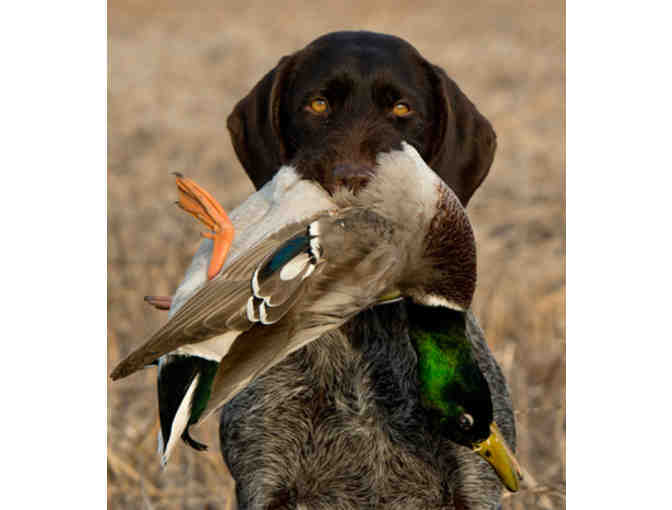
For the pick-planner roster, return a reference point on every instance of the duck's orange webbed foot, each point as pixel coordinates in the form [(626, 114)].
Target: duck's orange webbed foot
[(202, 206)]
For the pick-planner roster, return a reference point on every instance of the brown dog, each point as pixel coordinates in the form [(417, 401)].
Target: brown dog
[(331, 107), (338, 425)]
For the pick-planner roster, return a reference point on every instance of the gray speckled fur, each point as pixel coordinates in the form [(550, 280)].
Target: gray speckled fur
[(338, 425)]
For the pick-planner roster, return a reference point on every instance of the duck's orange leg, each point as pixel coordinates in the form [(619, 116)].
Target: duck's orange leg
[(202, 205)]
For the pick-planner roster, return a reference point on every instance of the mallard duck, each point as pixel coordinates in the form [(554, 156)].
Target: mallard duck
[(312, 276)]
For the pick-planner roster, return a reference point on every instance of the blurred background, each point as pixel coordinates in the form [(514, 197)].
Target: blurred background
[(177, 68)]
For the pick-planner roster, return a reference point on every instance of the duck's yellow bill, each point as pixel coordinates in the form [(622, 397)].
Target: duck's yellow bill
[(495, 450)]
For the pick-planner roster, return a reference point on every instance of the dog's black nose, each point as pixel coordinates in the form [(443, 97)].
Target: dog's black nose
[(352, 176)]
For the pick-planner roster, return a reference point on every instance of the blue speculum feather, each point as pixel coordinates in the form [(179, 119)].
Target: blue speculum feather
[(284, 254)]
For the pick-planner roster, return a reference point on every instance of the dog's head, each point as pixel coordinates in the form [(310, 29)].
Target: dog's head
[(330, 108)]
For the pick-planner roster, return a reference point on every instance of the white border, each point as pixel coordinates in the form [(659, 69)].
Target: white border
[(53, 168), (618, 254)]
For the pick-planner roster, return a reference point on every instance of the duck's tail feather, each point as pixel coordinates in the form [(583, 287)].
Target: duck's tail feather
[(177, 382)]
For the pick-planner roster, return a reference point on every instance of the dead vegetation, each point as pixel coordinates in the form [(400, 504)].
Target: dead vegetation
[(177, 69)]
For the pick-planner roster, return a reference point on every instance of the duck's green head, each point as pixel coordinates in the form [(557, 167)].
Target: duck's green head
[(453, 389), (452, 385)]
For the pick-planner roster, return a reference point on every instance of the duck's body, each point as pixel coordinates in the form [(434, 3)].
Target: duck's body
[(345, 421), (405, 233), (339, 425)]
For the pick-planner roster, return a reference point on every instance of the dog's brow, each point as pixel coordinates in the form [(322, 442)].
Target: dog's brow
[(330, 87), (340, 85), (393, 91)]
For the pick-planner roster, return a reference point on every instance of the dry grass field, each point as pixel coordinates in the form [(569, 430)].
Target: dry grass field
[(177, 68)]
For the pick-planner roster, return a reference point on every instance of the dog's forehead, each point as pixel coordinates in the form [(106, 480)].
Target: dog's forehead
[(351, 41), (360, 54)]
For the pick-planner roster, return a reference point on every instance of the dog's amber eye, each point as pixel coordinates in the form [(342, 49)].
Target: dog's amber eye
[(401, 109), (318, 105)]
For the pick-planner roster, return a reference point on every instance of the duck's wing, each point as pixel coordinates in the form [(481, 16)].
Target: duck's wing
[(360, 267), (232, 302), (260, 287)]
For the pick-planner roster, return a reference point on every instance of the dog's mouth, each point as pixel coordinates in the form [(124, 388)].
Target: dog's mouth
[(351, 176), (335, 173)]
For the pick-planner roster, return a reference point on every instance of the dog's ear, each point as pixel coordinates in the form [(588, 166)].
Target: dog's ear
[(254, 126), (464, 144)]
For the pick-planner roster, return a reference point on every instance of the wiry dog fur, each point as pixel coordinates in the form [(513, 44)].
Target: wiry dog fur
[(339, 425)]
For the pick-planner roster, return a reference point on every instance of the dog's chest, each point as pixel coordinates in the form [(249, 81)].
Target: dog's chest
[(335, 426), (338, 426)]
